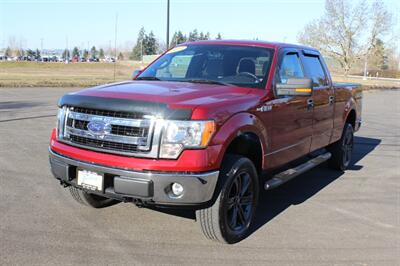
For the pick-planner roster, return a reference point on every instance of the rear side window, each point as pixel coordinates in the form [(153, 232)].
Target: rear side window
[(317, 73), (290, 68)]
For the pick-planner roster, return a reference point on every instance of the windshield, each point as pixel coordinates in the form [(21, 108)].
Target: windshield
[(220, 64)]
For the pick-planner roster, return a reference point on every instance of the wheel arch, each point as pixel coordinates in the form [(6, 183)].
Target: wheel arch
[(243, 134), (351, 118), (350, 114)]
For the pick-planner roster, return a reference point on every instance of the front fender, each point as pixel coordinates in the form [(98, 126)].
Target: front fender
[(235, 126)]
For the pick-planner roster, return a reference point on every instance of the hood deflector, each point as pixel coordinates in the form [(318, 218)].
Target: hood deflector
[(125, 105)]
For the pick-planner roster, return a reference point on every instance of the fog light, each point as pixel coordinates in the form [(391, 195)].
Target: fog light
[(177, 189)]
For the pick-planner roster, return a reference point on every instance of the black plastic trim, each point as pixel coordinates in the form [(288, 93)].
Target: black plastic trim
[(125, 105)]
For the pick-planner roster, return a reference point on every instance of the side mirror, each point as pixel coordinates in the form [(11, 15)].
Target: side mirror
[(136, 73), (295, 87)]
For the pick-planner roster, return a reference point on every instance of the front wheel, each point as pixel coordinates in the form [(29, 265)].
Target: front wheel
[(229, 219), (342, 149)]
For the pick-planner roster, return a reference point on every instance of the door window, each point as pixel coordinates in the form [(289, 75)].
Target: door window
[(317, 73), (290, 68)]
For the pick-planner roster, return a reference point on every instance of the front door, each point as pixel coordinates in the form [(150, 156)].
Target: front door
[(323, 97), (291, 117)]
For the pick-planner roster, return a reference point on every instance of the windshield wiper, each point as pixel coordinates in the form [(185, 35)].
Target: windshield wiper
[(147, 78), (206, 81)]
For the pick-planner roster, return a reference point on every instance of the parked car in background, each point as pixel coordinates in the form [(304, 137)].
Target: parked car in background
[(109, 59)]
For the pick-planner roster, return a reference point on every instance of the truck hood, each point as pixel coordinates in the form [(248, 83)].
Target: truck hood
[(177, 95), (172, 93)]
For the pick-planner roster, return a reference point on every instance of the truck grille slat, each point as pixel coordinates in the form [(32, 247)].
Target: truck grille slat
[(142, 141), (127, 133), (108, 113), (115, 129), (107, 145)]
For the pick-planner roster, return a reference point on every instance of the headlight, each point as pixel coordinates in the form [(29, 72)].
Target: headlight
[(60, 122), (180, 135)]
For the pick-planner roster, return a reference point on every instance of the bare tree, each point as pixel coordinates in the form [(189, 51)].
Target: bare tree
[(381, 22), (8, 52), (12, 43), (347, 32)]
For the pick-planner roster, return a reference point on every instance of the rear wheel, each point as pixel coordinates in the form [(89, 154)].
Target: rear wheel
[(342, 149), (90, 200), (229, 219)]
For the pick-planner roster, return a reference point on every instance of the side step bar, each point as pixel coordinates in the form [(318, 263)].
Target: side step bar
[(291, 173)]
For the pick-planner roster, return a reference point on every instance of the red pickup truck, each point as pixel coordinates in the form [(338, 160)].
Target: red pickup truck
[(206, 126)]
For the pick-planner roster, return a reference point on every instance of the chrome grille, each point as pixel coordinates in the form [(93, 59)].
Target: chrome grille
[(106, 145), (108, 113), (129, 133)]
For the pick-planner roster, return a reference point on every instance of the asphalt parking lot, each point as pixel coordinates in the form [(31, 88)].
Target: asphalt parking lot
[(321, 218)]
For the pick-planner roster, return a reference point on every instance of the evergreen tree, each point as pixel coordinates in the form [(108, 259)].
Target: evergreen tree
[(178, 38), (101, 53), (193, 36), (37, 54), (150, 44), (85, 54), (93, 52), (378, 58), (75, 52), (173, 40), (136, 53), (203, 36), (219, 37), (145, 45), (30, 53)]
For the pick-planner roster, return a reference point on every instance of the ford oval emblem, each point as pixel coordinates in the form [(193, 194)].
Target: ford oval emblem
[(99, 128)]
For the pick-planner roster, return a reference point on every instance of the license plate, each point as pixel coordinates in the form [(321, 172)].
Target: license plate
[(90, 180)]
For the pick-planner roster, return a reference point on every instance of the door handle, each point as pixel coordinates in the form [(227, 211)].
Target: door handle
[(331, 99), (310, 104)]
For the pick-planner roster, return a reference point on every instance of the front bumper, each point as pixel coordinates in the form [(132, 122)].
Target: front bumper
[(151, 187)]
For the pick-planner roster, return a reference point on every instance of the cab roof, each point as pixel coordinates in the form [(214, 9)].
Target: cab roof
[(273, 45)]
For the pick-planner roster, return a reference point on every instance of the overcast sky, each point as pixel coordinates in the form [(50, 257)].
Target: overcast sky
[(85, 23)]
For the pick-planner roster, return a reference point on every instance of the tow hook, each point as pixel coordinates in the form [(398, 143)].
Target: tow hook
[(138, 202), (64, 184)]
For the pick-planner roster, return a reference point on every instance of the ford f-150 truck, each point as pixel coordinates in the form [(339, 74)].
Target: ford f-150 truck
[(206, 126)]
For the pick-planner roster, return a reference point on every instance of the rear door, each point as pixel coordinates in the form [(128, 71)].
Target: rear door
[(290, 125), (323, 99)]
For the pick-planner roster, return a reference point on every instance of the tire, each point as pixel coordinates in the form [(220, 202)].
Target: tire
[(91, 200), (230, 217), (342, 149)]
